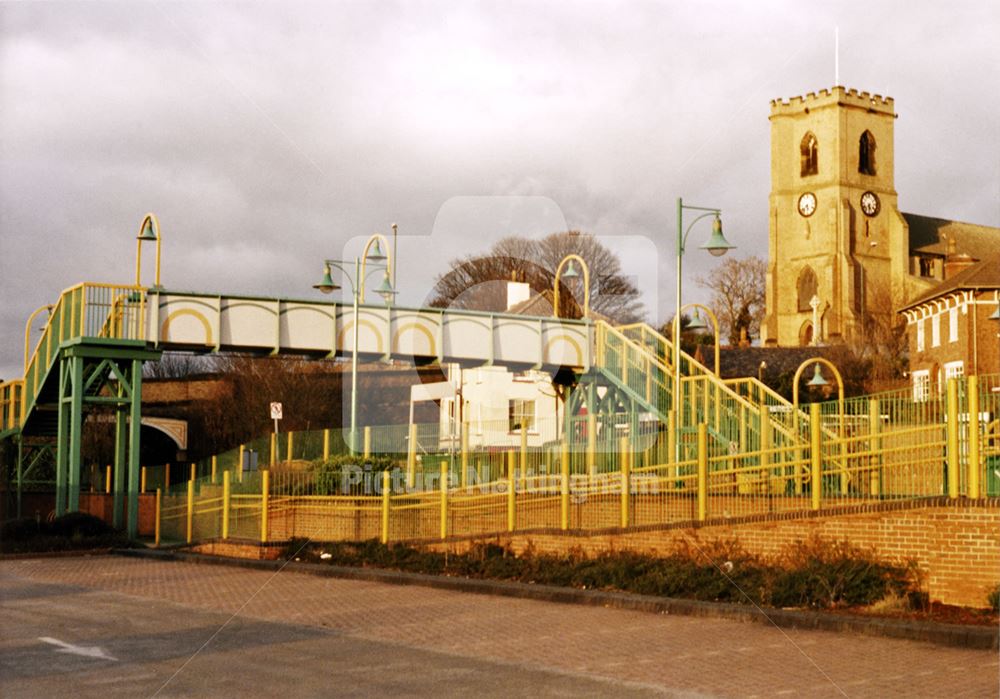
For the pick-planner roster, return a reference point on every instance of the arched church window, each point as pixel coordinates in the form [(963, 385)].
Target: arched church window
[(866, 154), (806, 288), (810, 155)]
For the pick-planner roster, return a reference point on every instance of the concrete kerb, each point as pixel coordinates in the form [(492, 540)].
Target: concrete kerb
[(976, 637)]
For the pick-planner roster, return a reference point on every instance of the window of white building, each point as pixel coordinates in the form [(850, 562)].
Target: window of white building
[(521, 412), (954, 370)]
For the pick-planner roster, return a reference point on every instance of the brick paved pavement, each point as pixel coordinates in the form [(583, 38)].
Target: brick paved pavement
[(675, 654)]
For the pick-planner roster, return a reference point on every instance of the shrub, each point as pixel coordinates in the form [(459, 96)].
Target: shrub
[(994, 599), (347, 474), (75, 530)]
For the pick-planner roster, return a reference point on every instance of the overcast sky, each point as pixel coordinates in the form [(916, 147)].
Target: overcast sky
[(266, 136)]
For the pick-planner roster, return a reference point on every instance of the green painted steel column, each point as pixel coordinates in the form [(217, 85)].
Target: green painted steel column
[(75, 434), (118, 503), (20, 471), (135, 425), (62, 414)]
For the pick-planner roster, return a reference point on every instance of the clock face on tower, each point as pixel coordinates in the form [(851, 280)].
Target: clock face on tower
[(870, 203), (807, 204)]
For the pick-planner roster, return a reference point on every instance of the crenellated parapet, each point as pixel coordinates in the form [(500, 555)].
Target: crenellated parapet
[(826, 97)]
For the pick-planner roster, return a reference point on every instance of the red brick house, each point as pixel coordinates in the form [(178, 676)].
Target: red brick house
[(954, 329)]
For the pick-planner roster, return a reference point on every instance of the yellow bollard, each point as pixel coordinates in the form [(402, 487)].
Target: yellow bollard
[(564, 486), (190, 511), (815, 456), (386, 492), (326, 444), (166, 477), (511, 500), (702, 471), (875, 446), (444, 498), (159, 509), (524, 457), (142, 480), (975, 468), (367, 442), (289, 450), (465, 455), (274, 449), (953, 455), (107, 480), (411, 457), (225, 504), (592, 445), (215, 468), (626, 468), (672, 442), (265, 503), (194, 471)]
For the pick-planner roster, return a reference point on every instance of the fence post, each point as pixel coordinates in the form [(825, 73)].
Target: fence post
[(239, 464), (190, 511), (953, 457), (564, 486), (142, 480), (265, 503), (289, 449), (511, 500), (672, 443), (626, 468), (875, 447), (156, 523), (274, 449), (215, 468), (411, 457), (225, 504), (975, 467), (524, 456), (815, 457), (107, 480), (765, 442), (702, 471), (444, 498), (591, 443), (326, 444), (367, 442), (194, 471), (166, 476), (386, 488), (465, 454)]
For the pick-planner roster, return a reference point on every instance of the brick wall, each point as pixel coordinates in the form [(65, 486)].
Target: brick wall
[(954, 544)]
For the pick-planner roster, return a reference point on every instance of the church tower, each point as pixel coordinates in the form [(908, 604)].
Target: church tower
[(834, 225)]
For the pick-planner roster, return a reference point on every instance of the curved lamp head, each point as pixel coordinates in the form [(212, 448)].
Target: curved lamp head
[(385, 289), (697, 324), (326, 284), (570, 271), (817, 379), (147, 232), (376, 254), (717, 245)]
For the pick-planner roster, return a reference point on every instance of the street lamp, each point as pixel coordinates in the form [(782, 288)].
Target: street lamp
[(571, 273), (327, 285), (148, 231), (376, 255), (717, 246), (698, 325)]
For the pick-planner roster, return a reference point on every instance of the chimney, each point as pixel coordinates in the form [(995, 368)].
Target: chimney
[(955, 262)]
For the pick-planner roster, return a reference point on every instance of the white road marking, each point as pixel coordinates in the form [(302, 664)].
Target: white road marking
[(95, 652)]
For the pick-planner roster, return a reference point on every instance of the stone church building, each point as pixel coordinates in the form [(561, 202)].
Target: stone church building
[(841, 253)]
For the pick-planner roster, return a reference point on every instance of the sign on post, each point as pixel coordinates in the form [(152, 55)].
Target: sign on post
[(276, 415)]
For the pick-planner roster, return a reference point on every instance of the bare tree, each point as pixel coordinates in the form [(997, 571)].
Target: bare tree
[(479, 281), (738, 296), (178, 365)]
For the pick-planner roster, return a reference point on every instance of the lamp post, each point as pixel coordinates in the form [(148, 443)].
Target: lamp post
[(571, 273), (327, 285), (717, 245), (148, 231)]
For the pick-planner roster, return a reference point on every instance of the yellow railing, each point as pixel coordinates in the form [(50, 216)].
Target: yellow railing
[(85, 310), (10, 404)]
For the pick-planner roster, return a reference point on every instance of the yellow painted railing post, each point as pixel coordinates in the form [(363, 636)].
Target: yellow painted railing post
[(444, 498), (326, 444), (592, 445), (225, 504), (156, 517), (367, 442), (239, 463), (511, 500), (386, 493), (290, 450), (675, 472), (107, 480), (274, 449), (765, 441), (524, 456), (564, 486), (411, 457), (215, 468), (702, 471), (975, 467), (512, 464), (265, 503), (626, 467), (194, 471), (875, 447), (953, 457), (190, 511), (166, 476), (464, 480), (142, 480), (815, 456)]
